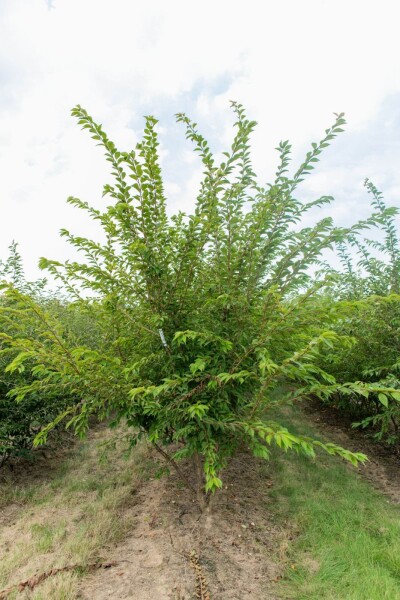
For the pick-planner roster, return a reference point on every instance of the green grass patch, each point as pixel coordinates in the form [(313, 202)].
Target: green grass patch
[(346, 535)]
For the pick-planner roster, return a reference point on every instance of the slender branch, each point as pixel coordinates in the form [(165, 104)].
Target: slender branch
[(174, 464)]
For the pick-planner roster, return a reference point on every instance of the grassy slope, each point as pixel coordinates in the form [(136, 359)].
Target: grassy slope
[(347, 536), (66, 517)]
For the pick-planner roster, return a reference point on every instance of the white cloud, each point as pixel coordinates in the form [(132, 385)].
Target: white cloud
[(291, 63)]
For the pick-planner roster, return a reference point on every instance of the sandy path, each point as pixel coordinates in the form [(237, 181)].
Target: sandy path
[(232, 551)]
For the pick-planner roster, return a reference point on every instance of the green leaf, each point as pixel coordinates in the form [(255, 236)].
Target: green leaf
[(383, 400)]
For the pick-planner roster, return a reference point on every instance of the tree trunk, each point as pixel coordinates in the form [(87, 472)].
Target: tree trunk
[(200, 493)]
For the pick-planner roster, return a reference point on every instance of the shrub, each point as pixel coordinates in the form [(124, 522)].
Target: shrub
[(21, 421), (368, 288), (204, 317)]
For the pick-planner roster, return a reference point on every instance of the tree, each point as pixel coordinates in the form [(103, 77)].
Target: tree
[(203, 318)]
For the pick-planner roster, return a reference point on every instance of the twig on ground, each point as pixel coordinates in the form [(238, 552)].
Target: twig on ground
[(32, 582), (202, 592)]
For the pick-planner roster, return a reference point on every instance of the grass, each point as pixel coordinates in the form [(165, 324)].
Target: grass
[(346, 536), (72, 515), (341, 538)]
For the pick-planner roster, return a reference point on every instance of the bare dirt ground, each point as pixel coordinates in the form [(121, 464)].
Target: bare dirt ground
[(382, 468), (166, 550), (173, 554)]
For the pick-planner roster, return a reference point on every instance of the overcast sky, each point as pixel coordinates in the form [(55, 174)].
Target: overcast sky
[(291, 63)]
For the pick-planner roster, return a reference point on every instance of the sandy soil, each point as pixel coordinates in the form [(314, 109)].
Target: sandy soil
[(172, 552)]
